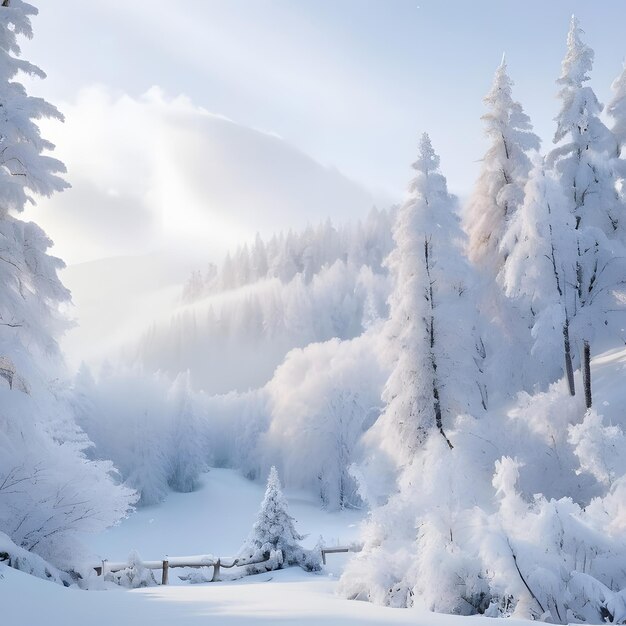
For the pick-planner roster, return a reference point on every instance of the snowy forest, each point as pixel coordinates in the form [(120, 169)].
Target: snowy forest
[(429, 366)]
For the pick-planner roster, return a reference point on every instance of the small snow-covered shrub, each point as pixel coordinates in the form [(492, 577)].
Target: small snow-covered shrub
[(195, 576), (599, 448), (134, 576), (25, 561)]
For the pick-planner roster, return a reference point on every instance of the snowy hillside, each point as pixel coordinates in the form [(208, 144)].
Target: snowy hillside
[(239, 319), (214, 519), (198, 180), (290, 598)]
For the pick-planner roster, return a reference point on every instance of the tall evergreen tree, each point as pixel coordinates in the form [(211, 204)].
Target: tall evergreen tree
[(584, 160), (435, 376), (259, 258), (541, 272), (188, 442), (496, 198), (31, 288), (49, 490), (584, 145), (499, 190)]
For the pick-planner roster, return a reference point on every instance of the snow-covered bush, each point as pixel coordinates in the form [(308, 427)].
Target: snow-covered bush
[(134, 576), (197, 575), (479, 529), (50, 492), (320, 402), (25, 561), (274, 541)]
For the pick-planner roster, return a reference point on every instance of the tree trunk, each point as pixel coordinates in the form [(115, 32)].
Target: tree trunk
[(433, 360), (569, 369), (587, 373)]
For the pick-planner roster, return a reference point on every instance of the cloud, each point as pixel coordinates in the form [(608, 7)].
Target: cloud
[(153, 172)]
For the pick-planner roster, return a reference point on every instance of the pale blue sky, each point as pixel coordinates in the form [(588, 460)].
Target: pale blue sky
[(351, 82)]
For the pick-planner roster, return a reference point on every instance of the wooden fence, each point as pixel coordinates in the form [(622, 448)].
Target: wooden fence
[(337, 549), (166, 564), (217, 563)]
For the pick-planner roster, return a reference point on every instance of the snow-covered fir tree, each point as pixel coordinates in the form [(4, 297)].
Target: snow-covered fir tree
[(499, 190), (585, 161), (585, 146), (495, 200), (50, 492), (306, 252), (430, 327), (189, 447), (540, 274), (435, 380), (274, 538), (154, 430)]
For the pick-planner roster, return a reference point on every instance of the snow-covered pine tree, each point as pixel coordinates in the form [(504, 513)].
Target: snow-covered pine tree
[(31, 290), (188, 447), (147, 464), (194, 287), (258, 259), (585, 161), (540, 273), (434, 386), (228, 273), (499, 190), (49, 491), (274, 536), (585, 145), (435, 376), (497, 196)]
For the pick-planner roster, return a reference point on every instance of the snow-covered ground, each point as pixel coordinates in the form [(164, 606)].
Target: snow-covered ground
[(285, 597), (215, 519)]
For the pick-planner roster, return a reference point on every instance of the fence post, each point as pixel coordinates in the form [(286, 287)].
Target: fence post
[(104, 564), (216, 571), (324, 557), (166, 571)]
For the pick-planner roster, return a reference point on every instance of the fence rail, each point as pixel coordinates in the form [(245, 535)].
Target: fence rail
[(338, 549), (217, 563)]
